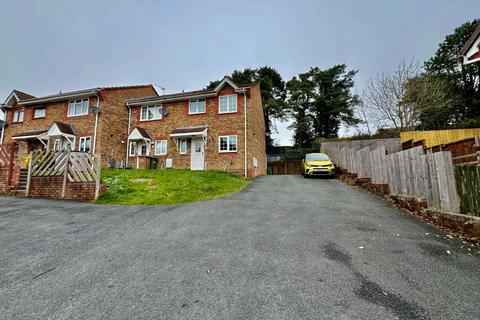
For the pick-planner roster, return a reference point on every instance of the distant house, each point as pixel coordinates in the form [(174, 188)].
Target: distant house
[(210, 129), (91, 120), (471, 50)]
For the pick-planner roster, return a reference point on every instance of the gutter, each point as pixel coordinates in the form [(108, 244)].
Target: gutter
[(128, 133), (245, 128), (96, 124)]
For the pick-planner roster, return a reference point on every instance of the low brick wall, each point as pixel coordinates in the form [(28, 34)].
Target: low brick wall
[(4, 187), (3, 180), (51, 187)]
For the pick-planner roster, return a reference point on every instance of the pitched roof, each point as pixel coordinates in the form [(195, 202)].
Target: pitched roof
[(188, 94), (143, 132), (22, 95), (65, 128), (85, 92), (470, 41)]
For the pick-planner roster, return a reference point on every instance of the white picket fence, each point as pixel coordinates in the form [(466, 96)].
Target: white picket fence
[(408, 173)]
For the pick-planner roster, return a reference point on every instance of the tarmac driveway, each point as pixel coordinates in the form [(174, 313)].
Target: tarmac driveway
[(283, 248)]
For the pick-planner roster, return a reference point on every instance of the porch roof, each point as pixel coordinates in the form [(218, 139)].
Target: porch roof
[(139, 134), (34, 134), (188, 132), (60, 128)]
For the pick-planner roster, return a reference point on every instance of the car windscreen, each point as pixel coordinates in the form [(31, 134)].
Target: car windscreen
[(316, 156)]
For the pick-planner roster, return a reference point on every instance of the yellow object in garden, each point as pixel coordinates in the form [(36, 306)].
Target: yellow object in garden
[(26, 160)]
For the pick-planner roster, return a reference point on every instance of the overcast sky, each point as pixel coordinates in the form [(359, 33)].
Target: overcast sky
[(47, 46)]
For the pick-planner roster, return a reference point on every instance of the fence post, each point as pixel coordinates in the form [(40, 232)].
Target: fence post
[(97, 178), (477, 148), (65, 174), (11, 148), (29, 176)]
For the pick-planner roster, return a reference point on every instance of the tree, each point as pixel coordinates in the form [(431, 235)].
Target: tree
[(431, 96), (463, 80), (319, 101), (272, 89), (300, 98), (384, 97)]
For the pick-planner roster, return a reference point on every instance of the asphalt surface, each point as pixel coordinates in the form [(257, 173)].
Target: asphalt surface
[(283, 248)]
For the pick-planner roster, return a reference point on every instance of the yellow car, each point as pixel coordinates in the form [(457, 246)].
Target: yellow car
[(317, 164)]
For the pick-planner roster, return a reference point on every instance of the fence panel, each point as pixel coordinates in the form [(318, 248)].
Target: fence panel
[(468, 187)]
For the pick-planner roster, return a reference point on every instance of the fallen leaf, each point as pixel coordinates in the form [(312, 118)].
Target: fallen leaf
[(448, 251), (361, 247), (209, 270)]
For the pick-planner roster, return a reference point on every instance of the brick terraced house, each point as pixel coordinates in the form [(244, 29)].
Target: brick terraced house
[(93, 120), (211, 129)]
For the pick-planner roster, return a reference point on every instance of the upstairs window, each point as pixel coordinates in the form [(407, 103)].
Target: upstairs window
[(78, 107), (228, 104), (39, 112), (197, 106), (227, 144), (151, 113), (18, 116)]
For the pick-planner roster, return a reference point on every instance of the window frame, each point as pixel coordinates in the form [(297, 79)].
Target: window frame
[(197, 102), (228, 144), (130, 149), (180, 146), (18, 112), (85, 139), (69, 114), (166, 147), (160, 117), (44, 108), (227, 96), (146, 150)]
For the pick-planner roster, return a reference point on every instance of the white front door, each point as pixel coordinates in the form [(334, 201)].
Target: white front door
[(197, 161)]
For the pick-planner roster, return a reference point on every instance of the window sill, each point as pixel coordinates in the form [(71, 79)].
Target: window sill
[(149, 120), (228, 151), (39, 118), (196, 113), (229, 112), (77, 115)]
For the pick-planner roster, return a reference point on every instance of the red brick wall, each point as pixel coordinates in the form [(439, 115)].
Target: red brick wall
[(113, 121), (51, 187), (218, 125), (112, 126)]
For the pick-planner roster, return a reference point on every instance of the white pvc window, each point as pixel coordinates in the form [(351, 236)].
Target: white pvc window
[(227, 104), (84, 144), (18, 116), (160, 147), (143, 150), (133, 149), (151, 113), (183, 146), (78, 107), (39, 112), (227, 144), (197, 106)]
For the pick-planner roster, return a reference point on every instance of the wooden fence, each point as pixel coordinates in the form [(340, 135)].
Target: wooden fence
[(410, 172), (468, 186), (437, 137), (4, 155), (73, 166)]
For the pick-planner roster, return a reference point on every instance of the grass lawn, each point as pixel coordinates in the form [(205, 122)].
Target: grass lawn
[(152, 187)]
